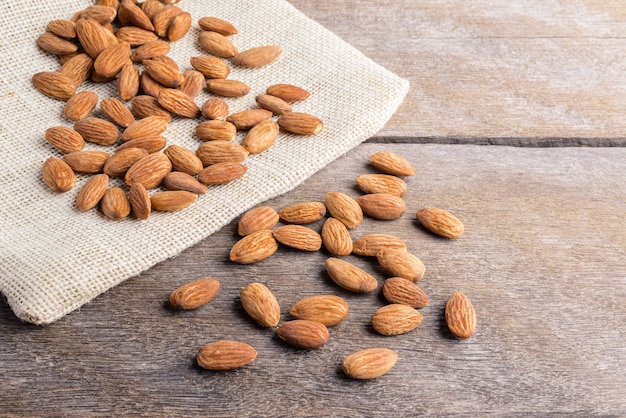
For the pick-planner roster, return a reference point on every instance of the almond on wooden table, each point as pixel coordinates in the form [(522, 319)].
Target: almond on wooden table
[(344, 208), (298, 237), (441, 222), (350, 277), (92, 192), (336, 237), (401, 263), (194, 294), (303, 333), (382, 183), (382, 206), (64, 139), (225, 355), (369, 363), (401, 290), (303, 213), (370, 244), (256, 219), (254, 247), (325, 309), (396, 319), (390, 163), (260, 304), (460, 315), (58, 175)]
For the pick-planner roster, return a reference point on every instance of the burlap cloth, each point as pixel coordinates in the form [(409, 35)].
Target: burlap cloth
[(53, 258)]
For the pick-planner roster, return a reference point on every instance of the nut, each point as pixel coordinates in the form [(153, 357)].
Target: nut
[(350, 277), (325, 309), (256, 219), (440, 222), (396, 319), (253, 248), (260, 303), (460, 315), (303, 333), (298, 237), (370, 363), (401, 263), (400, 290), (194, 294), (225, 355)]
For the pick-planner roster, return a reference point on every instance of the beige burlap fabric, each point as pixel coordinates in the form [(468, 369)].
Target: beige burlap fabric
[(54, 258)]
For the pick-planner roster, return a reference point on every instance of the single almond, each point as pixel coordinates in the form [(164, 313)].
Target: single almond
[(227, 88), (259, 56), (78, 68), (215, 108), (369, 245), (400, 290), (171, 200), (179, 103), (216, 130), (150, 50), (64, 139), (145, 105), (256, 219), (401, 263), (63, 28), (210, 67), (92, 36), (149, 171), (260, 137), (149, 143), (221, 173), (396, 319), (139, 200), (194, 294), (254, 247), (110, 61), (382, 206), (460, 315), (350, 277), (390, 163), (86, 162), (300, 123), (177, 180), (260, 304), (117, 111), (214, 24), (100, 13), (135, 36), (217, 44), (97, 131), (58, 175), (92, 192), (55, 85), (325, 309), (288, 92), (146, 127), (179, 27), (382, 183), (369, 363), (213, 152), (303, 213), (163, 18), (163, 71), (183, 159), (115, 204), (80, 105), (274, 104), (55, 44), (225, 355), (246, 119), (149, 85), (192, 84), (128, 81), (298, 237), (303, 333), (344, 208), (336, 237), (441, 222), (119, 163), (150, 7), (133, 15)]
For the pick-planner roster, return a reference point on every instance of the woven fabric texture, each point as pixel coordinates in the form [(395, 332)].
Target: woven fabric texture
[(54, 258)]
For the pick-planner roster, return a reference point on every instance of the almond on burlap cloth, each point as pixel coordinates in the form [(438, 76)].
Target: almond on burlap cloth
[(54, 258)]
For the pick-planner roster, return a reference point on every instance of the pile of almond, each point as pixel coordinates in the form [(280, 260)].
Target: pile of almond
[(127, 42), (311, 317)]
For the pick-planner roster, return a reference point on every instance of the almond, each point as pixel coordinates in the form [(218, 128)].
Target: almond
[(151, 7), (256, 219), (192, 84), (227, 88), (460, 315), (172, 200), (150, 143), (139, 201), (54, 44), (350, 277), (177, 180), (344, 208), (370, 363), (369, 245), (214, 24), (396, 319), (80, 105), (87, 162), (149, 85), (149, 171), (179, 27), (119, 163), (221, 173), (225, 355), (210, 67), (288, 92), (163, 71), (382, 183), (390, 163), (146, 127), (215, 108), (145, 106), (133, 15), (400, 290), (63, 28), (115, 204), (260, 137), (92, 192), (135, 36), (100, 13), (55, 85), (214, 152), (298, 237), (163, 18), (274, 104), (110, 61), (303, 213), (400, 263), (64, 139), (150, 50), (300, 123), (183, 159), (216, 130), (303, 333), (179, 103), (117, 111), (92, 36), (382, 206), (336, 237), (247, 119), (128, 81), (254, 247), (441, 222), (260, 303), (258, 56), (58, 175), (78, 68), (194, 294), (325, 309), (97, 131), (217, 44)]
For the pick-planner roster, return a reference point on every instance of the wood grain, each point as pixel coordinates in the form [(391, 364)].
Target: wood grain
[(542, 260)]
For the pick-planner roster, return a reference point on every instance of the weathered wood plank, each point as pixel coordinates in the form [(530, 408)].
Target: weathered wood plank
[(542, 259)]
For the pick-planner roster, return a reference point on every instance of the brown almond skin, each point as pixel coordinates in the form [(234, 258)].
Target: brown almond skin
[(370, 244), (177, 180), (163, 18), (400, 263), (149, 85), (115, 204), (460, 315), (288, 92), (145, 105), (139, 201), (150, 50), (80, 105), (172, 200), (92, 192), (55, 44), (403, 291), (217, 44), (215, 108), (344, 208), (55, 85), (259, 56), (151, 144), (128, 81), (350, 277), (210, 67), (325, 309), (63, 28), (261, 137), (192, 84), (86, 162), (256, 219), (64, 139), (382, 206), (336, 237), (227, 88), (390, 163), (179, 27), (149, 126), (221, 173), (78, 68), (225, 355), (97, 131), (260, 304), (179, 103), (214, 152), (117, 111), (382, 183), (149, 171), (274, 104), (92, 36), (163, 72), (303, 333), (58, 175), (183, 159), (214, 24), (110, 61), (135, 36), (441, 222), (119, 163), (194, 294), (298, 237), (216, 130), (370, 363), (300, 123), (254, 247), (396, 319), (302, 213)]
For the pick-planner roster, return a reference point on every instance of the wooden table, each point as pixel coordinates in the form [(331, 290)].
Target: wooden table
[(498, 95)]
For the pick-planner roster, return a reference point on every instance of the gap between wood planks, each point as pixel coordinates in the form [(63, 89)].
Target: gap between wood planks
[(541, 142)]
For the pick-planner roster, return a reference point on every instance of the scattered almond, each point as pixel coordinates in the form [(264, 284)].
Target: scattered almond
[(128, 81), (288, 92), (115, 204), (401, 263), (97, 131), (64, 139), (183, 159), (150, 50), (210, 67), (214, 24), (382, 183), (194, 294), (325, 309), (215, 108), (303, 213), (179, 103), (177, 180), (220, 173), (441, 222), (58, 175), (55, 85), (192, 84), (260, 137), (110, 61), (396, 319), (390, 163), (117, 112), (217, 44), (371, 244), (300, 123), (80, 105), (254, 247), (145, 106), (247, 119), (303, 333), (336, 237), (213, 152), (225, 355), (344, 208), (119, 163), (274, 104), (382, 206), (171, 200), (163, 71), (256, 219), (460, 315), (257, 57), (227, 88), (179, 27), (149, 171), (139, 201), (260, 303), (146, 127), (400, 290), (350, 277), (216, 130), (298, 237), (370, 363), (86, 162), (92, 192), (55, 44), (149, 143)]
